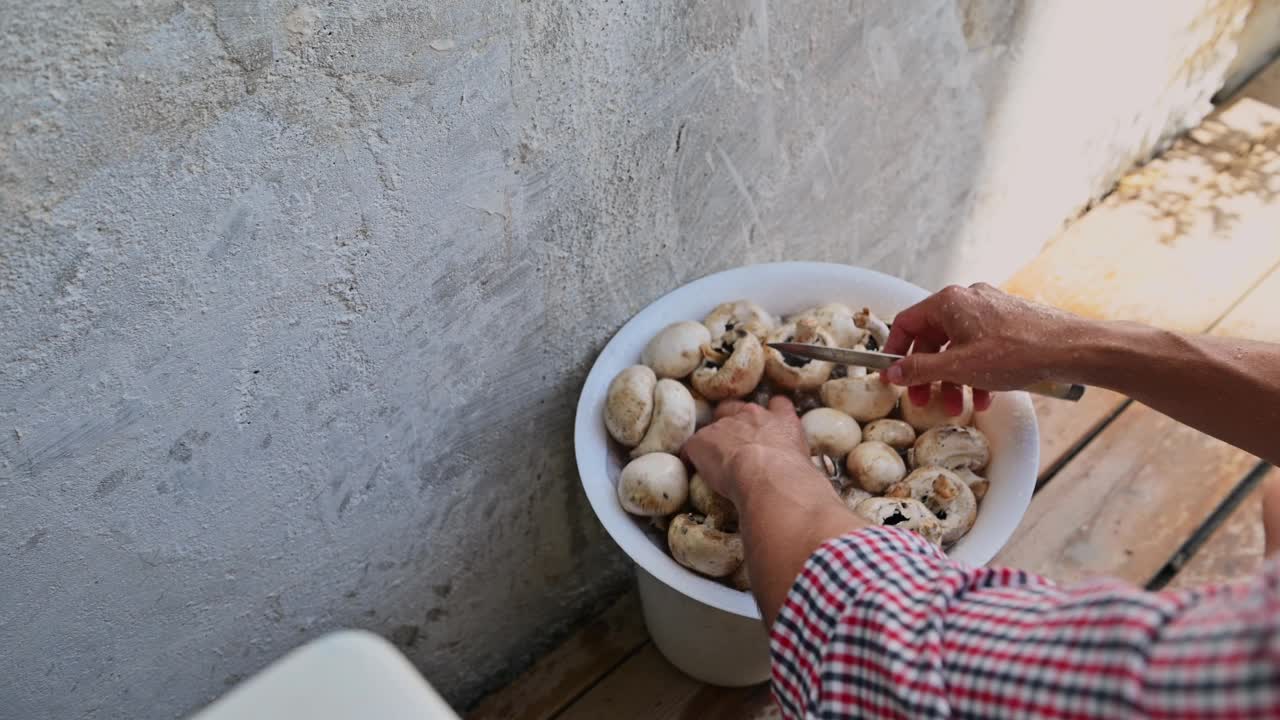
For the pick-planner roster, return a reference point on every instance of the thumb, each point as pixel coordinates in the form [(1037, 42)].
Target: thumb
[(925, 368)]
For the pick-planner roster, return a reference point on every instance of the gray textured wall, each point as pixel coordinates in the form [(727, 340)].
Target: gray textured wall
[(296, 297)]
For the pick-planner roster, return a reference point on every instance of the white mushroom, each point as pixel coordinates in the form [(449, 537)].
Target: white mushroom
[(875, 466), (653, 484), (830, 432), (628, 405), (874, 326), (677, 349), (674, 418), (952, 447), (826, 465), (934, 413), (702, 548), (739, 580), (978, 484), (704, 412), (862, 398), (740, 314), (901, 512), (897, 434), (837, 320), (718, 509), (852, 495), (795, 373), (946, 496), (731, 368)]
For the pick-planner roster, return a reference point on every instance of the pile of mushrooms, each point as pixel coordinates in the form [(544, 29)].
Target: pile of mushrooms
[(893, 463)]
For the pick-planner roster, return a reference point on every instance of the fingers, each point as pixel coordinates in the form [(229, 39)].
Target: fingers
[(952, 399), (782, 404), (729, 407), (981, 399), (1271, 513), (920, 321), (919, 391)]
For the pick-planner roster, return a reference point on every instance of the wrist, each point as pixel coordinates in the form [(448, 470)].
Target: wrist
[(1111, 351)]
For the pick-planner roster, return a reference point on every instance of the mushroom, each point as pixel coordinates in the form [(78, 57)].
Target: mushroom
[(934, 413), (952, 447), (875, 466), (897, 434), (739, 314), (677, 349), (795, 373), (827, 467), (628, 404), (837, 320), (852, 495), (653, 484), (863, 398), (739, 579), (702, 548), (946, 496), (674, 418), (718, 509), (978, 484), (901, 512), (731, 368), (830, 432), (703, 411), (874, 326)]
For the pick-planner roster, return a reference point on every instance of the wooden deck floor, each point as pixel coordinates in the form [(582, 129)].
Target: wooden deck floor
[(1191, 241)]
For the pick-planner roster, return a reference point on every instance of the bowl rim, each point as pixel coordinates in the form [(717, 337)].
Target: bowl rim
[(591, 441)]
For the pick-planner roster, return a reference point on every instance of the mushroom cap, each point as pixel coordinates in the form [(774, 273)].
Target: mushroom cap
[(702, 548), (837, 320), (653, 484), (719, 510), (737, 314), (852, 495), (797, 374), (830, 432), (736, 376), (934, 413), (946, 496), (897, 434), (875, 466), (978, 484), (905, 513), (677, 349), (704, 412), (674, 419), (863, 398), (628, 404), (952, 447)]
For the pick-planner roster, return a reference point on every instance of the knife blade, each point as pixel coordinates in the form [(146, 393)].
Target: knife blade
[(880, 361)]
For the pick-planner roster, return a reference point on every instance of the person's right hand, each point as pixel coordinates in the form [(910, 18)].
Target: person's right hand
[(992, 340)]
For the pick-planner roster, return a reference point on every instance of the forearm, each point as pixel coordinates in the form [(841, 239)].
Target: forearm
[(786, 510), (1221, 386)]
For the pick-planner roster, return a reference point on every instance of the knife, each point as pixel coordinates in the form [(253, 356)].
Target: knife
[(880, 361)]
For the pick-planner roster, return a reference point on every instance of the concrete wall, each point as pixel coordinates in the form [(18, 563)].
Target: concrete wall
[(296, 297)]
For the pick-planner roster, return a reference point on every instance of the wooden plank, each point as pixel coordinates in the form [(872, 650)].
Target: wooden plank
[(1233, 551), (569, 670), (1125, 504), (649, 687), (1065, 426)]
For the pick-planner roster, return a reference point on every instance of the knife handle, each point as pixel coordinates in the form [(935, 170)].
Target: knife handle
[(1061, 391)]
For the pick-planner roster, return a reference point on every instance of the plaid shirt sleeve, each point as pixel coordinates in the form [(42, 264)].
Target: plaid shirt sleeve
[(880, 624)]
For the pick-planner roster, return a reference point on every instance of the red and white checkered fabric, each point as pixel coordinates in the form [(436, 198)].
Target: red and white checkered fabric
[(881, 624)]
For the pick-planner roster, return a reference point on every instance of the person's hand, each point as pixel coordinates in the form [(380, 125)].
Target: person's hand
[(748, 444), (993, 341)]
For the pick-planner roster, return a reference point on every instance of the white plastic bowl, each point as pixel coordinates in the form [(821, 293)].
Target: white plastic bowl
[(708, 630)]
